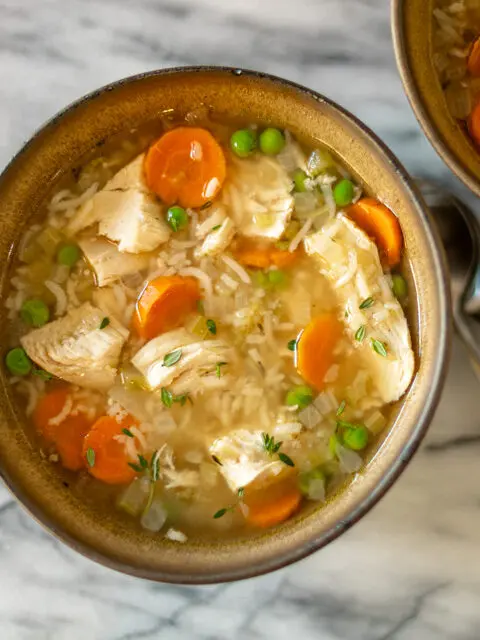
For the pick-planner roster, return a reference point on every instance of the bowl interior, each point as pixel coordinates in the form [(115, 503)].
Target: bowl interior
[(413, 25), (55, 150)]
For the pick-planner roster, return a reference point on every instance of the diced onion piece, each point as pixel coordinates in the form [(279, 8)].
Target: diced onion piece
[(155, 517), (350, 461), (459, 100), (375, 422), (310, 416), (305, 202), (316, 490), (133, 499), (319, 161)]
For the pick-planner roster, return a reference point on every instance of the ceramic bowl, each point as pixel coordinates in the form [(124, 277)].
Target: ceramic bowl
[(412, 24), (56, 149)]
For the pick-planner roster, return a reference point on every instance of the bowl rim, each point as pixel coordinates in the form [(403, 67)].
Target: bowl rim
[(418, 431), (417, 103)]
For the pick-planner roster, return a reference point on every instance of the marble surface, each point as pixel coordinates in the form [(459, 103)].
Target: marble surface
[(409, 570)]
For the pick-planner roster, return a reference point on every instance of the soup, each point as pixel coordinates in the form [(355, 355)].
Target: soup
[(456, 55), (207, 327)]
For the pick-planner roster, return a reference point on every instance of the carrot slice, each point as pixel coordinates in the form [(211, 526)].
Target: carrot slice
[(111, 462), (473, 63), (68, 435), (185, 166), (48, 407), (69, 438), (382, 225), (272, 505), (283, 259), (164, 304), (315, 348), (474, 123), (262, 257)]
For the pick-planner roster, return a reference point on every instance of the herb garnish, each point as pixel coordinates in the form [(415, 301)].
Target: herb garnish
[(41, 373), (273, 448), (341, 408), (182, 399), (286, 459), (143, 461), (168, 398), (172, 358), (218, 370), (128, 433), (104, 323), (155, 466), (216, 227), (360, 333), (211, 326), (292, 345), (344, 424), (207, 205), (217, 460), (379, 347), (90, 455), (367, 303), (221, 512), (143, 465)]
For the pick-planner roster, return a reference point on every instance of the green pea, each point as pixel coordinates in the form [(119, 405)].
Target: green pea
[(355, 438), (399, 286), (272, 141), (177, 218), (18, 362), (243, 142), (300, 396), (277, 278), (68, 254), (343, 193), (299, 178), (35, 312)]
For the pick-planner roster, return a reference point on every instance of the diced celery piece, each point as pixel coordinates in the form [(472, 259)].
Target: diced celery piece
[(48, 239), (292, 229), (198, 326), (319, 161)]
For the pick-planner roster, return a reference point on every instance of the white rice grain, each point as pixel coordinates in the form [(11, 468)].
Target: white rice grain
[(60, 297), (176, 536), (350, 272), (64, 413), (230, 282), (205, 281), (300, 235), (237, 268)]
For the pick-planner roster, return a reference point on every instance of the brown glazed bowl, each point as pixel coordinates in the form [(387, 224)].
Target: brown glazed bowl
[(256, 97), (412, 24)]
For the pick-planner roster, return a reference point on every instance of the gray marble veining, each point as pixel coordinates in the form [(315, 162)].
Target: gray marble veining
[(409, 570)]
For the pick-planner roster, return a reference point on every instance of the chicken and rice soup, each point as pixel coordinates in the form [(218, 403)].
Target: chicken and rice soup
[(456, 56), (207, 327)]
